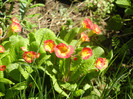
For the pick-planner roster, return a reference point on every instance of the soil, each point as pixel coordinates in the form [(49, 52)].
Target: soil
[(55, 14)]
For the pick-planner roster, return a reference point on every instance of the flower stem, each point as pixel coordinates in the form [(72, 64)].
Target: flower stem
[(69, 70)]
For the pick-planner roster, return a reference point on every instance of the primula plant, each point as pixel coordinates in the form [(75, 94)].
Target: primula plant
[(67, 59)]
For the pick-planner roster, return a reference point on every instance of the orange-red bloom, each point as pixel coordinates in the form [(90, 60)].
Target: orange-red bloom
[(96, 29), (16, 27), (2, 67), (30, 55), (49, 45), (63, 51), (88, 23), (86, 53), (84, 37), (2, 50), (15, 20), (101, 63), (1, 31)]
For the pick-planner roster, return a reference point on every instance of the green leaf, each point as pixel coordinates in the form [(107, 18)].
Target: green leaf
[(115, 23), (123, 3), (29, 25), (54, 80), (37, 5), (6, 81), (87, 86), (129, 11), (71, 35), (97, 51), (31, 37), (34, 47), (48, 35), (68, 86), (44, 59), (23, 8), (78, 92), (63, 32), (4, 54), (23, 72), (6, 60), (19, 86), (76, 64), (58, 41), (33, 15), (57, 87), (16, 43), (2, 94), (13, 71), (14, 91), (73, 42), (2, 86)]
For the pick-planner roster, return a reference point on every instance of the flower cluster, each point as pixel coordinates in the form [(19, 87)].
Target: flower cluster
[(64, 51), (87, 23), (15, 26), (61, 50), (29, 56)]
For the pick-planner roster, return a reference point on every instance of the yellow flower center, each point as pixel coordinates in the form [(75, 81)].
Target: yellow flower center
[(63, 49)]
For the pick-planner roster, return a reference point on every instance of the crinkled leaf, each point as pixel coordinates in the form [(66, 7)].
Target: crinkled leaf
[(16, 43), (48, 35), (34, 46), (24, 72)]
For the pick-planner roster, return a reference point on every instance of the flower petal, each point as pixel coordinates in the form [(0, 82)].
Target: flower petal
[(88, 23), (2, 50), (16, 27), (63, 51), (29, 56), (101, 63), (15, 20), (23, 49), (49, 45), (86, 53), (1, 31), (84, 37), (96, 29)]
